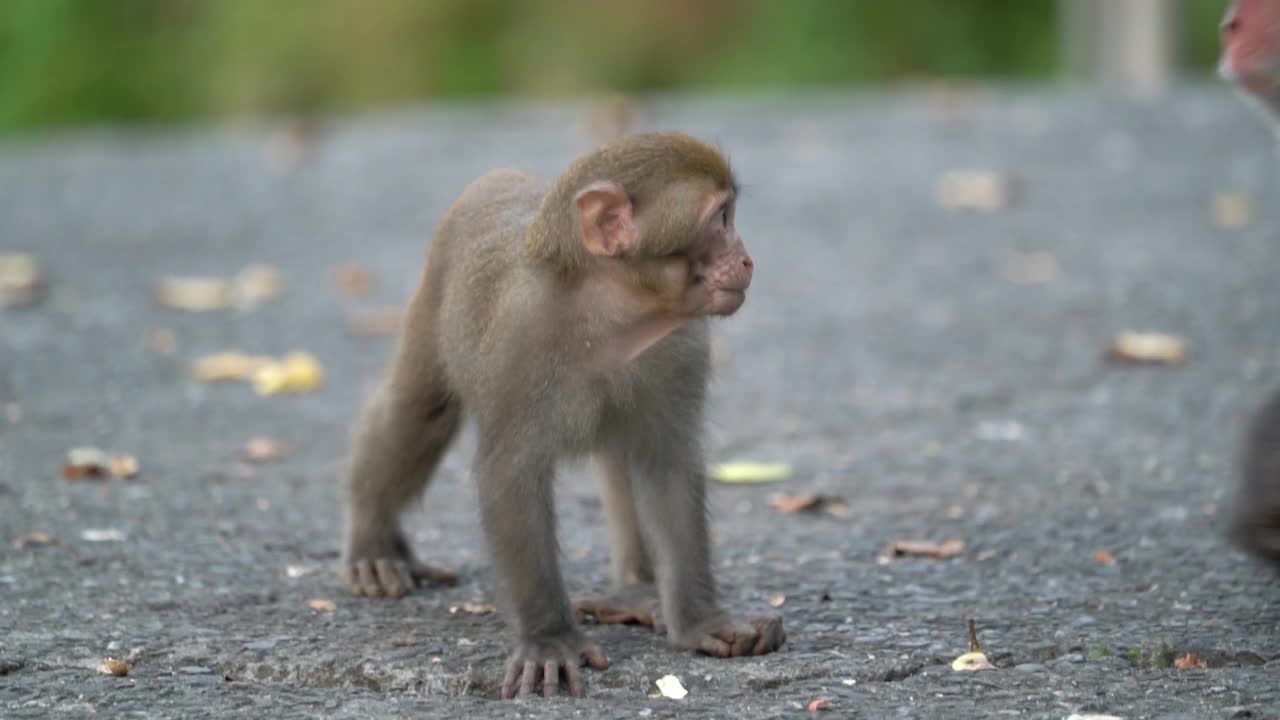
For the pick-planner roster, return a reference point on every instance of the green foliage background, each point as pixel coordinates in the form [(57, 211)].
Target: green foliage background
[(69, 62)]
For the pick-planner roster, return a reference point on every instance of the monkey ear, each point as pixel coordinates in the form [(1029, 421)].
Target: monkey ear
[(604, 214)]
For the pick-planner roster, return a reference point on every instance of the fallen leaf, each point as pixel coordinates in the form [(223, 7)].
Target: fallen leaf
[(1030, 268), (162, 340), (85, 462), (321, 605), (1232, 209), (820, 704), (924, 548), (297, 571), (972, 661), (1147, 348), (296, 372), (194, 294), (102, 535), (123, 466), (262, 449), (809, 502), (980, 190), (1104, 557), (669, 686), (777, 601), (21, 279), (353, 279), (229, 366), (114, 667), (750, 472), (1190, 660), (473, 608), (380, 321), (849, 682), (35, 539), (254, 285)]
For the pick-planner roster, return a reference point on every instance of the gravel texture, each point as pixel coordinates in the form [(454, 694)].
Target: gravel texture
[(883, 352)]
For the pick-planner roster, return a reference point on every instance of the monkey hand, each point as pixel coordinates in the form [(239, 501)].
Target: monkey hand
[(726, 637), (545, 658), (388, 569)]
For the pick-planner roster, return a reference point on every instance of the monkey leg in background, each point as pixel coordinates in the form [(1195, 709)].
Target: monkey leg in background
[(569, 318)]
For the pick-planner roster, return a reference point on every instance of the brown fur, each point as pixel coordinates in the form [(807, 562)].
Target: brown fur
[(557, 352)]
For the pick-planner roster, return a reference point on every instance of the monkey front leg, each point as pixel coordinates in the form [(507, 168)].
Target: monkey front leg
[(518, 514), (670, 496)]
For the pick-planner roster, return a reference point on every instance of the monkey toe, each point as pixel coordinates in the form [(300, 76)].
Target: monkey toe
[(431, 573), (543, 663), (637, 605), (759, 636)]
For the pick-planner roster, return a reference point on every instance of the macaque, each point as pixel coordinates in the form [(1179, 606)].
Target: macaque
[(1250, 54), (1251, 60), (568, 319)]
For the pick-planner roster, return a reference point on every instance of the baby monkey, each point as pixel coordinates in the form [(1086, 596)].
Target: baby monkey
[(1250, 59), (567, 318)]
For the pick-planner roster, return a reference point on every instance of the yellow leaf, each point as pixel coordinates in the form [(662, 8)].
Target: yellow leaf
[(750, 472), (971, 661), (297, 372), (669, 686)]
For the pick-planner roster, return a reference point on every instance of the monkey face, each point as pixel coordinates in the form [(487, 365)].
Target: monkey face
[(1251, 46), (720, 266)]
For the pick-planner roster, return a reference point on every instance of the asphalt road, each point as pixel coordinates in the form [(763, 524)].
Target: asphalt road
[(884, 352)]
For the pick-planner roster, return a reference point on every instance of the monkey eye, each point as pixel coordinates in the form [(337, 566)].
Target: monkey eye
[(724, 215), (1232, 26)]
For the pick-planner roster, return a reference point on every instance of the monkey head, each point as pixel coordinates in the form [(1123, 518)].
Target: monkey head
[(1250, 55), (675, 243)]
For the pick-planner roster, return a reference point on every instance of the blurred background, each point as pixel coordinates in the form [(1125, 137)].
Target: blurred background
[(91, 62)]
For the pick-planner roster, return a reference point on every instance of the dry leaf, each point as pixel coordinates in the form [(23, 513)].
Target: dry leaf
[(321, 605), (1104, 557), (114, 667), (102, 535), (473, 608), (162, 340), (380, 321), (262, 449), (21, 279), (972, 661), (777, 601), (980, 190), (750, 472), (819, 704), (35, 539), (296, 372), (811, 501), (924, 548), (229, 366), (1190, 660), (1030, 268), (255, 284), (85, 462), (353, 279), (1232, 209), (669, 686), (1147, 348), (123, 466), (194, 294)]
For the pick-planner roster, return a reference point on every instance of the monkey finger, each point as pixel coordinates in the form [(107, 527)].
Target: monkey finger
[(510, 681), (771, 635), (714, 646), (550, 678), (741, 642), (394, 577), (595, 658), (367, 579), (574, 677), (528, 678)]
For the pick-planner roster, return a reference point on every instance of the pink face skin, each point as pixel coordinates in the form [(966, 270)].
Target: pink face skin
[(1251, 46), (720, 265)]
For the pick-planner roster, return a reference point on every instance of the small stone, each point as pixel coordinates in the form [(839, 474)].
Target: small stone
[(194, 670), (1030, 667), (260, 646)]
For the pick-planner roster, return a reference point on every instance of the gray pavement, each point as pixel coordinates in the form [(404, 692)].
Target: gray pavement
[(882, 352)]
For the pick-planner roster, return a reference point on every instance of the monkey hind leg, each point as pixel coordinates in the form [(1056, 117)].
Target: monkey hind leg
[(632, 605), (401, 442)]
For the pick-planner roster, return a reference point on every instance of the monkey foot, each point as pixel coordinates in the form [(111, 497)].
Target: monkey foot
[(545, 660), (392, 576), (731, 638), (632, 605)]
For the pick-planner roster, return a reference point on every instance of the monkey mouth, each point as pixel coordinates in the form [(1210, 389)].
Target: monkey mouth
[(726, 301)]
